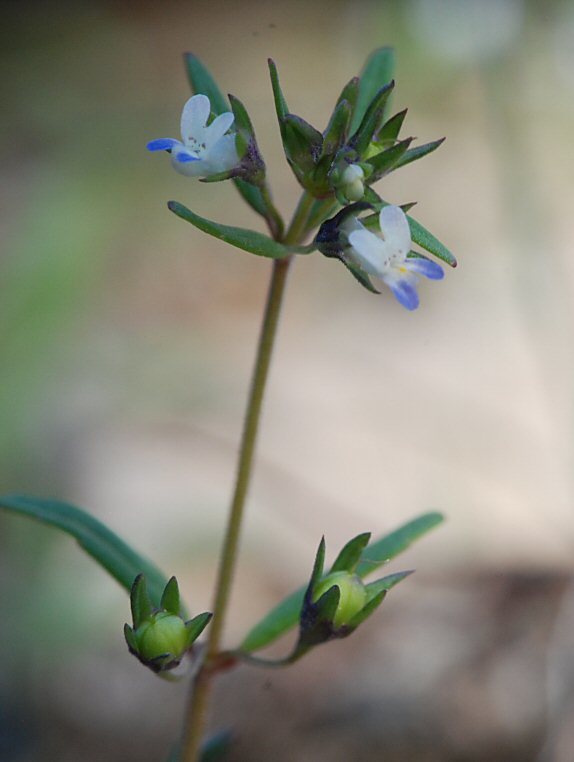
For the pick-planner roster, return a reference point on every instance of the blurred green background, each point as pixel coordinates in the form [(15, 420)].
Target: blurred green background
[(126, 342)]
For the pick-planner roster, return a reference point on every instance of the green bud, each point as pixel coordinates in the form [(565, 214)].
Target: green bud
[(352, 595), (163, 633)]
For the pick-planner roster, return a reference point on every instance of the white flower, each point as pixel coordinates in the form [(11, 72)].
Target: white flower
[(385, 257), (204, 149)]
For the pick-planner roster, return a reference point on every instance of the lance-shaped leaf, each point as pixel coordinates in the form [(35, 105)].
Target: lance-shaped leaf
[(390, 129), (377, 72), (286, 614), (372, 120), (417, 153), (241, 238), (105, 547), (281, 107), (382, 163), (426, 240), (350, 93), (202, 81), (337, 131)]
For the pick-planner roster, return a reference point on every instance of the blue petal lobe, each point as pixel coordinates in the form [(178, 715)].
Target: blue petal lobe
[(426, 267), (185, 157), (406, 294), (162, 144)]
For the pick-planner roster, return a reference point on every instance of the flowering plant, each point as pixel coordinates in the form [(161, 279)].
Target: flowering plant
[(340, 215)]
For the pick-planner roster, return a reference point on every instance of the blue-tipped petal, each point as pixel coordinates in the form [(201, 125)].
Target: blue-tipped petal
[(426, 267), (184, 158), (162, 144), (406, 294)]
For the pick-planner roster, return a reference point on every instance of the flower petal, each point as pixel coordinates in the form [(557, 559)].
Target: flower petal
[(405, 293), (218, 128), (395, 229), (426, 267), (194, 116), (369, 252), (222, 156), (162, 144)]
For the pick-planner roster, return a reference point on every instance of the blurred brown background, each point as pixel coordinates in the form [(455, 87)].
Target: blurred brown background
[(126, 342)]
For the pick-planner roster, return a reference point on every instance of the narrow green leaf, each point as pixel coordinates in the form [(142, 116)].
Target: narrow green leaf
[(140, 601), (280, 103), (286, 614), (248, 240), (118, 558), (372, 120), (390, 130), (384, 162), (170, 598), (426, 240), (349, 556), (350, 93), (378, 553), (417, 153), (302, 142), (377, 72), (201, 81)]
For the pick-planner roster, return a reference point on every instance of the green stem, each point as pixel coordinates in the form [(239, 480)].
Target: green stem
[(201, 688)]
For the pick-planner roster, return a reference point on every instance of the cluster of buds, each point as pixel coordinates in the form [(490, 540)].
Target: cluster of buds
[(336, 167), (160, 637)]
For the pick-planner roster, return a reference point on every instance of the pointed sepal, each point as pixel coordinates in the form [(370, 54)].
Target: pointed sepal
[(170, 599), (196, 626), (350, 555), (141, 605)]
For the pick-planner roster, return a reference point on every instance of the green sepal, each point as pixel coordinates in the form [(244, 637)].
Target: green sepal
[(241, 238), (196, 626), (130, 639), (316, 624), (372, 604), (281, 107), (337, 130), (103, 545), (372, 120), (386, 583), (251, 165), (382, 163), (318, 565), (285, 615), (302, 144), (377, 72), (349, 556), (417, 153), (140, 602), (359, 275), (389, 132), (170, 600), (201, 81)]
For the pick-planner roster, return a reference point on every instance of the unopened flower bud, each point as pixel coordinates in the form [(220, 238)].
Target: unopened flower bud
[(352, 183), (163, 633), (353, 595)]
